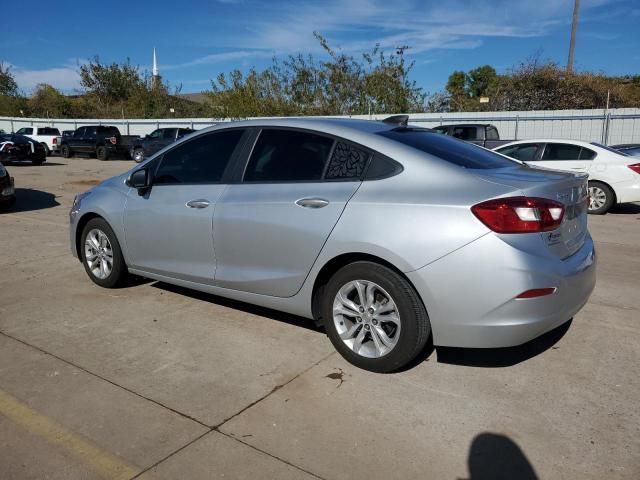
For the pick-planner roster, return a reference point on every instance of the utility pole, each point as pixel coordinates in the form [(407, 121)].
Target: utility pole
[(572, 43)]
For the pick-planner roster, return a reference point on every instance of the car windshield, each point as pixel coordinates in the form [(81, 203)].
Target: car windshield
[(452, 150), (613, 150)]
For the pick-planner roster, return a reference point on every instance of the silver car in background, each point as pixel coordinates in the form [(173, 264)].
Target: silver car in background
[(384, 234)]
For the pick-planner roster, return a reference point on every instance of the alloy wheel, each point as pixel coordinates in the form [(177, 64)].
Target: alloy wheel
[(366, 318), (98, 253), (597, 198)]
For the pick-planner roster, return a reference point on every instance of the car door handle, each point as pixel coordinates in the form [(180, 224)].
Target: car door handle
[(200, 203), (312, 202)]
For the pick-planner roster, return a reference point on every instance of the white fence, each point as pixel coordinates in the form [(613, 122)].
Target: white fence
[(615, 126)]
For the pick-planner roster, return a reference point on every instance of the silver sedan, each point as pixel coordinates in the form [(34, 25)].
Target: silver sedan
[(384, 234)]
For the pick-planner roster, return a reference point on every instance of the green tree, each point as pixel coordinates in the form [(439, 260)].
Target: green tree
[(8, 85), (482, 81), (48, 102)]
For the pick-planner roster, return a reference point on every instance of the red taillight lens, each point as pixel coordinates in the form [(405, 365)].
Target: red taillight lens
[(55, 141), (520, 214), (537, 292), (114, 140), (635, 167)]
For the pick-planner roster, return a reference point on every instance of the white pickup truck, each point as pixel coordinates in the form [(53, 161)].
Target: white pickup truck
[(47, 136)]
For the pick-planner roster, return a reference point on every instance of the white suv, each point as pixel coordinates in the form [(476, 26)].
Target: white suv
[(47, 136), (614, 177)]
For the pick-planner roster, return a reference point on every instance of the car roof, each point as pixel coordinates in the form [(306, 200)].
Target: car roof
[(579, 143)]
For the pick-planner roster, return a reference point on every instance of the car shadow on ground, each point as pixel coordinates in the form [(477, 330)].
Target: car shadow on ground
[(29, 164), (471, 357), (245, 307), (28, 199), (502, 357), (496, 457), (625, 209)]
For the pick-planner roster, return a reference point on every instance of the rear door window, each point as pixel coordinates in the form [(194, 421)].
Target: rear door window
[(169, 134), (347, 162), (288, 156), (463, 154), (587, 154), (561, 151), (465, 133)]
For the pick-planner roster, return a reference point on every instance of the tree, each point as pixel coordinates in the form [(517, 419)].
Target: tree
[(48, 102), (482, 81), (8, 85)]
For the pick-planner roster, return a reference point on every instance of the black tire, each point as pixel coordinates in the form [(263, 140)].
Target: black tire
[(119, 272), (415, 327), (599, 188), (65, 151), (138, 155), (47, 152), (102, 153)]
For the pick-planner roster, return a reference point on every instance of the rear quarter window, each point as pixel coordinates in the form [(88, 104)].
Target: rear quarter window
[(460, 153)]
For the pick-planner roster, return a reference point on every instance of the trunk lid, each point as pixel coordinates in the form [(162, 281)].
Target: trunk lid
[(570, 189)]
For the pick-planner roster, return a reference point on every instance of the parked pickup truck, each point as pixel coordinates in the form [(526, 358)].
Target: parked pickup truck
[(146, 146), (482, 134), (46, 136), (102, 141)]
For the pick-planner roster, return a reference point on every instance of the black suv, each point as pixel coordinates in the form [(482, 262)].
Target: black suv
[(156, 141), (99, 140)]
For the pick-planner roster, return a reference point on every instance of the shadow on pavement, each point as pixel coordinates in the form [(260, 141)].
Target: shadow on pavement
[(29, 164), (502, 357), (625, 209), (28, 200), (245, 307), (494, 457)]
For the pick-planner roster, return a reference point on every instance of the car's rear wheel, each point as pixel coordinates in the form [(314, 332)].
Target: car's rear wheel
[(47, 152), (66, 151), (138, 155), (374, 317), (101, 254), (102, 153), (601, 198)]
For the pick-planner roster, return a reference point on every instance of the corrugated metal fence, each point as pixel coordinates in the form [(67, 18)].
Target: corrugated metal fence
[(612, 127)]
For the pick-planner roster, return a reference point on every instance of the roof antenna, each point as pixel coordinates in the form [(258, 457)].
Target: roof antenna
[(400, 120)]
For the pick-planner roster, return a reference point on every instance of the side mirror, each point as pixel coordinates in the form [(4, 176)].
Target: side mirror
[(139, 179)]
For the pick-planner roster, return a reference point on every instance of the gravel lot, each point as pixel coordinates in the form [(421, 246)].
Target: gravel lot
[(160, 382)]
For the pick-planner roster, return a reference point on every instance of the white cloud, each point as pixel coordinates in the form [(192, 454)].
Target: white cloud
[(64, 77)]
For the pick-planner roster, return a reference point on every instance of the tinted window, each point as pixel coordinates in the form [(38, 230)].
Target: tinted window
[(586, 154), (107, 130), (382, 167), (48, 131), (286, 155), (464, 133), (347, 161), (156, 134), (184, 131), (561, 151), (202, 160), (492, 133), (25, 131), (453, 151), (79, 132), (525, 152), (442, 130), (169, 134)]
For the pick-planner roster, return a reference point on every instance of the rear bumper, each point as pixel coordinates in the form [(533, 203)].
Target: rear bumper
[(470, 295), (627, 191)]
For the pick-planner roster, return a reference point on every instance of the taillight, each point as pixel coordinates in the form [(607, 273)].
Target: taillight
[(55, 140), (114, 140), (635, 167), (520, 214)]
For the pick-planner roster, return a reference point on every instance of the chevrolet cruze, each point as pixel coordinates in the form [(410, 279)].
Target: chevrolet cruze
[(384, 234)]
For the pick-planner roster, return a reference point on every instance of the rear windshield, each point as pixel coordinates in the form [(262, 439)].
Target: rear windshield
[(610, 149), (109, 130), (454, 151), (48, 131)]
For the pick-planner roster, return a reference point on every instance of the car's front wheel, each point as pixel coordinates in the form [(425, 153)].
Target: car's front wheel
[(101, 254), (102, 153), (66, 151), (374, 317), (601, 198)]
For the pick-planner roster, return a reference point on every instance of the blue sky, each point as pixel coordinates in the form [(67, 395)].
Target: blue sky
[(197, 40)]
